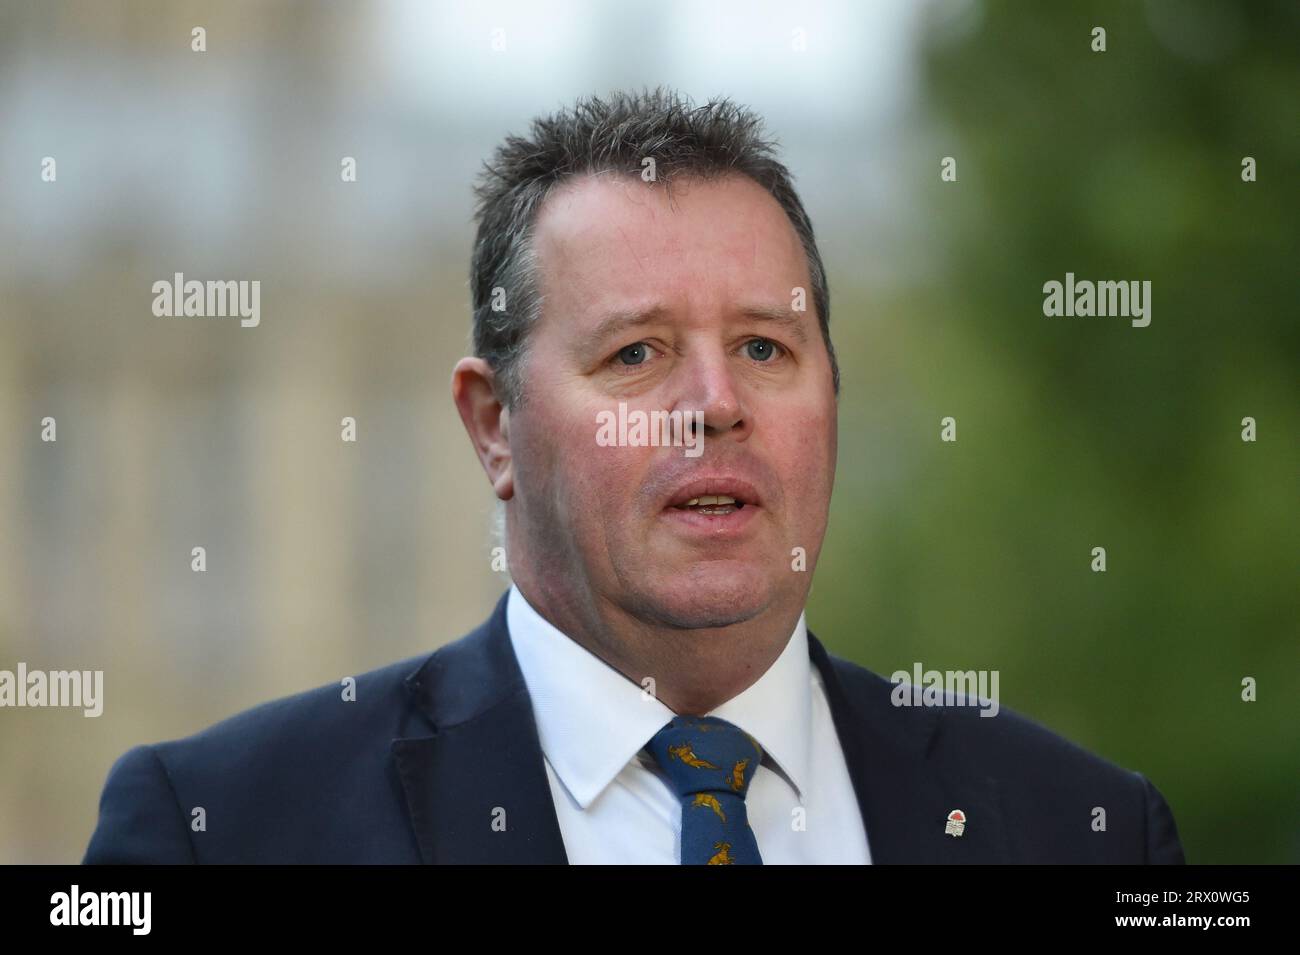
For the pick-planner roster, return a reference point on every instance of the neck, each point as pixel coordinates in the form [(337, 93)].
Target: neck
[(694, 671)]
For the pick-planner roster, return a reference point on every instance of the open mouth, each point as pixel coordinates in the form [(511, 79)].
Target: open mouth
[(717, 505), (714, 504), (708, 515)]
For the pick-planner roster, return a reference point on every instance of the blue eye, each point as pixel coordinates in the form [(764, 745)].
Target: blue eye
[(760, 349), (632, 354)]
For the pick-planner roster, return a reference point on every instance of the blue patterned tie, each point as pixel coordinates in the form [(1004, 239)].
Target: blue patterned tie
[(711, 763)]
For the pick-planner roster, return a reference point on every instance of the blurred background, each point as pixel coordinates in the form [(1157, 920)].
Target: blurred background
[(326, 559)]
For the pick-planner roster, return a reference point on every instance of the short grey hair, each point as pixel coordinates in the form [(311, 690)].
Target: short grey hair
[(608, 135)]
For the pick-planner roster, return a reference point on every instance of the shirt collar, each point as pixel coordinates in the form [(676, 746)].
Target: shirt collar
[(590, 734)]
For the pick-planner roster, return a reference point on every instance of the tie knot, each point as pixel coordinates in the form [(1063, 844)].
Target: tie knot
[(705, 754)]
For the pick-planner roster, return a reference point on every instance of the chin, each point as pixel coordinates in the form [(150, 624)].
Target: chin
[(709, 595)]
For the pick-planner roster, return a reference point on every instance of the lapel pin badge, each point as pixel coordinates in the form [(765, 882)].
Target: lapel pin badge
[(956, 823)]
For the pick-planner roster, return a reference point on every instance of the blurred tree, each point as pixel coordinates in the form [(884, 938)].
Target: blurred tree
[(1083, 432)]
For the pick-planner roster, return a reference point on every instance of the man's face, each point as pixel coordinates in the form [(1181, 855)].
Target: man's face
[(673, 302)]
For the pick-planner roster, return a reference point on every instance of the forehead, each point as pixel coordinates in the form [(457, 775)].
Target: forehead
[(611, 237)]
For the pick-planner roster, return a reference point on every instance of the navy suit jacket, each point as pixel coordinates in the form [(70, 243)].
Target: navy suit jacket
[(413, 770)]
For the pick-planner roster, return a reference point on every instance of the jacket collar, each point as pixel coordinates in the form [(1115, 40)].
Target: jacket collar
[(477, 790)]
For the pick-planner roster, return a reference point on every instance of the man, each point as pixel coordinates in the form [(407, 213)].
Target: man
[(647, 691)]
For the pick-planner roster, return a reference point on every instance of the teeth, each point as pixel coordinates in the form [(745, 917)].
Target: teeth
[(710, 500)]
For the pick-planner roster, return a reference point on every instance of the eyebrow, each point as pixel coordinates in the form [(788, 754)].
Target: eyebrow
[(621, 321)]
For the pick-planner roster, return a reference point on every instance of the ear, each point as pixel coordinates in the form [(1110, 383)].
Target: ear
[(486, 420)]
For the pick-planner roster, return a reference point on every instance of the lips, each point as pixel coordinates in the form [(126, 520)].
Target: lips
[(712, 492)]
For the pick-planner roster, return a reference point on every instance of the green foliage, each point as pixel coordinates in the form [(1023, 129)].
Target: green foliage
[(1083, 432)]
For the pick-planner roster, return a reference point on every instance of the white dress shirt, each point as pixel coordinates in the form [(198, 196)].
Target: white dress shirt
[(614, 803)]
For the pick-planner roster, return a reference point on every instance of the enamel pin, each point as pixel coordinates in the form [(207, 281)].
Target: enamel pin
[(956, 823)]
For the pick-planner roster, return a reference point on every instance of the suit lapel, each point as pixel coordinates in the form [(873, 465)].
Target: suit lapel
[(476, 790), (905, 796)]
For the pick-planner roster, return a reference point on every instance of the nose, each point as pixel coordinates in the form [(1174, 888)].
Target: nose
[(710, 385)]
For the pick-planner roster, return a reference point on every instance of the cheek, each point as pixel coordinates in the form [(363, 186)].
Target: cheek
[(807, 463), (613, 476), (591, 483)]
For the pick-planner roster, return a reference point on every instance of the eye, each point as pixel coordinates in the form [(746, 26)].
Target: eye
[(761, 349), (634, 354)]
